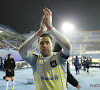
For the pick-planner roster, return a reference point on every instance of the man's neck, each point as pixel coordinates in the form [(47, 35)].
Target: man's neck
[(49, 55)]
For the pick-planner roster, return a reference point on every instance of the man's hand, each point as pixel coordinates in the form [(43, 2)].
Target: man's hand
[(9, 70), (43, 27), (48, 18), (78, 86)]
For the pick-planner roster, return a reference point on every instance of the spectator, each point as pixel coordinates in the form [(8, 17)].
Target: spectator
[(76, 63)]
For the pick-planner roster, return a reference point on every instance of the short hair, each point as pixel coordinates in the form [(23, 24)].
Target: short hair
[(44, 35), (9, 55)]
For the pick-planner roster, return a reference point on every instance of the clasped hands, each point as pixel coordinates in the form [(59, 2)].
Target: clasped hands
[(46, 22)]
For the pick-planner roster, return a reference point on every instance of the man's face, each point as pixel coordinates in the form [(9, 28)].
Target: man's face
[(45, 46), (9, 56)]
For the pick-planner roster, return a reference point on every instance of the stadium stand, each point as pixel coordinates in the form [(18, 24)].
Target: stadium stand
[(83, 43), (86, 43), (10, 40)]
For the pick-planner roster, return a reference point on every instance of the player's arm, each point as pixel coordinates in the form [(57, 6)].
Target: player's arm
[(61, 39), (28, 43)]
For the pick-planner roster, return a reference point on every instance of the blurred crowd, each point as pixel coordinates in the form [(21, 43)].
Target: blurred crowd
[(10, 44)]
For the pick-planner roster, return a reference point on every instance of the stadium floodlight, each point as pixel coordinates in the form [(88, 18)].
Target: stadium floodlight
[(67, 27), (1, 31)]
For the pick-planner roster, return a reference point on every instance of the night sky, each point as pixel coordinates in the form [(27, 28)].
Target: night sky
[(25, 15)]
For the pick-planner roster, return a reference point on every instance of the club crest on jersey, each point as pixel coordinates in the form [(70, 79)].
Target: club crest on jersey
[(53, 63)]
